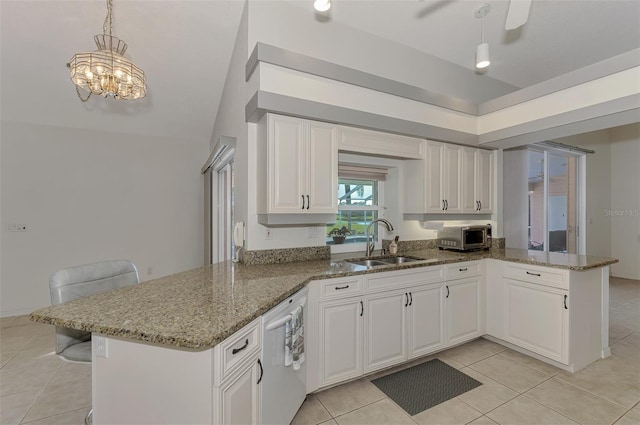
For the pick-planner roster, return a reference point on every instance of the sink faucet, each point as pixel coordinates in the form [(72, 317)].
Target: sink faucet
[(371, 245)]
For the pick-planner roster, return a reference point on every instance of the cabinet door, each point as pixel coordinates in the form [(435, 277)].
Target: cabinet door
[(468, 173), (452, 178), (434, 198), (425, 327), (385, 330), (484, 180), (462, 309), (537, 318), (322, 168), (341, 340), (287, 184), (238, 399)]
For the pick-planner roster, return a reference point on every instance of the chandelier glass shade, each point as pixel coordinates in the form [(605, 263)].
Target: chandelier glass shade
[(106, 71)]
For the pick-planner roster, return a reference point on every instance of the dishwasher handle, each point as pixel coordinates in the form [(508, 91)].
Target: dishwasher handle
[(279, 322)]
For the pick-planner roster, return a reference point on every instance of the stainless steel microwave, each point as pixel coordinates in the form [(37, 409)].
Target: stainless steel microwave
[(465, 238)]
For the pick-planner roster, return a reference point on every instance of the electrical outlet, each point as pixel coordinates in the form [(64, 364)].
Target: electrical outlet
[(268, 234), (15, 227), (101, 346)]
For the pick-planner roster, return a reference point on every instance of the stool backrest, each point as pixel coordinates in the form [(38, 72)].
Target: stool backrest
[(76, 282)]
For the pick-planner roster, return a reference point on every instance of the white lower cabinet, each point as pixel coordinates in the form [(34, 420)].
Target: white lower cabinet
[(537, 318), (385, 329), (340, 332), (373, 328), (425, 320), (462, 310), (402, 325), (237, 401)]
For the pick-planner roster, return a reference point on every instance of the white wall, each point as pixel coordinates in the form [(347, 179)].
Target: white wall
[(625, 201), (90, 196), (230, 122), (515, 201)]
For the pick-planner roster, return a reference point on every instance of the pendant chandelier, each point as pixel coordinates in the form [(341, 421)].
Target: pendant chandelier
[(106, 72)]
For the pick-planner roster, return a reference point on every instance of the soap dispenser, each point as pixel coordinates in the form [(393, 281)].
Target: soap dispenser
[(393, 246)]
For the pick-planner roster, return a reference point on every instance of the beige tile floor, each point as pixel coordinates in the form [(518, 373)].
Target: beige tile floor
[(38, 388)]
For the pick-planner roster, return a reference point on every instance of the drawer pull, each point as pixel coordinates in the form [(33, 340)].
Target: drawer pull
[(534, 274), (308, 202), (261, 372), (361, 308), (463, 270), (341, 287), (447, 291), (565, 303), (410, 298), (406, 303), (302, 201), (237, 350)]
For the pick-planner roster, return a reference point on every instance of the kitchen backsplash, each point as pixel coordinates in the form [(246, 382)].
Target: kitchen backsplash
[(286, 255), (290, 255), (417, 245)]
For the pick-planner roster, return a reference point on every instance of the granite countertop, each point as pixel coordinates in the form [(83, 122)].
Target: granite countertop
[(199, 308)]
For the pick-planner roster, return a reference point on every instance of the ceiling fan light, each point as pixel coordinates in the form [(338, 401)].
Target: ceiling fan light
[(322, 5), (482, 56)]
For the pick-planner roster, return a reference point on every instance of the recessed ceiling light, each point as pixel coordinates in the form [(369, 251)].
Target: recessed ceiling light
[(322, 5)]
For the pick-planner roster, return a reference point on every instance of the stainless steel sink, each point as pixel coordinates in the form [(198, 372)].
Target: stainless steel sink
[(398, 260), (378, 262), (367, 263)]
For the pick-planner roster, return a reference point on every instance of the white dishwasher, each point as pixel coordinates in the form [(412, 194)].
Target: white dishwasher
[(283, 388)]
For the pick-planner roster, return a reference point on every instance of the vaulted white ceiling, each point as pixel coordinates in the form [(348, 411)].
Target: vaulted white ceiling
[(184, 47)]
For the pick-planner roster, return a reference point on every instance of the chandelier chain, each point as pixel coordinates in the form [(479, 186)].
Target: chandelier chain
[(108, 19)]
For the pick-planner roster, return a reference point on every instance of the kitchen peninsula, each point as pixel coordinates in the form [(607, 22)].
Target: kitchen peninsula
[(167, 338)]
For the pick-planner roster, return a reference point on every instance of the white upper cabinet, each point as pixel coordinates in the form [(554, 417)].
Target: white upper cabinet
[(369, 142), (297, 167), (484, 180), (322, 168), (450, 180)]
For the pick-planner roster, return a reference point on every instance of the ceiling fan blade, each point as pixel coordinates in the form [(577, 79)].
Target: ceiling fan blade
[(518, 14)]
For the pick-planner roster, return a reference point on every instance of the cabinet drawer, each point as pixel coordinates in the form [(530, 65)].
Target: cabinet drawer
[(340, 288), (462, 270), (233, 351), (399, 279), (542, 275)]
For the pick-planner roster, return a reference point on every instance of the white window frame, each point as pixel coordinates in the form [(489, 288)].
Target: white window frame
[(362, 246)]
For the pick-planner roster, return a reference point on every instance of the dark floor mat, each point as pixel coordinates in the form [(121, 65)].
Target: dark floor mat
[(423, 386)]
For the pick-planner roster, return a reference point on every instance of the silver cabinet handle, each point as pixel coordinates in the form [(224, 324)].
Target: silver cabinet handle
[(302, 196)]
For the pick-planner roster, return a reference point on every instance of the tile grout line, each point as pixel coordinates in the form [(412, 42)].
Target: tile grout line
[(593, 394)]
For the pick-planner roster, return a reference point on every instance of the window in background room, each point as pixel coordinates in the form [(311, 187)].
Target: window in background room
[(554, 207), (360, 192)]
